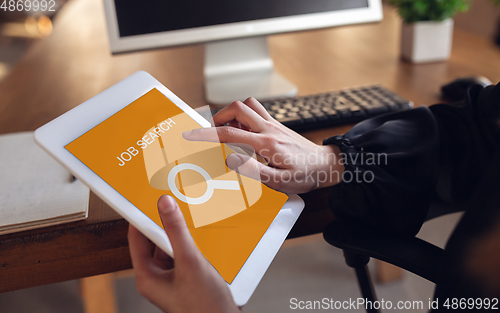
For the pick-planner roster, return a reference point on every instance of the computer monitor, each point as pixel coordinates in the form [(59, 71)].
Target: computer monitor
[(237, 62)]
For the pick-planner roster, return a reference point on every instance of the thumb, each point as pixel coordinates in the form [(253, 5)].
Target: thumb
[(250, 167), (245, 165), (176, 229)]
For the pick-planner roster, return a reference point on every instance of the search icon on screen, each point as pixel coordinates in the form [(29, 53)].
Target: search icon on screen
[(211, 184)]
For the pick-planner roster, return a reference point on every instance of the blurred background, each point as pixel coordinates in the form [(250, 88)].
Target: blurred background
[(20, 30)]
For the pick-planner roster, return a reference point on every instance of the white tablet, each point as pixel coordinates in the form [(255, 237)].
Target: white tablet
[(126, 144)]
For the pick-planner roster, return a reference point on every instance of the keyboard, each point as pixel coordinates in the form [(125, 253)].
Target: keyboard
[(335, 108)]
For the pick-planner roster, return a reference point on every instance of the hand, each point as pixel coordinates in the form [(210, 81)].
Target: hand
[(295, 164), (188, 284)]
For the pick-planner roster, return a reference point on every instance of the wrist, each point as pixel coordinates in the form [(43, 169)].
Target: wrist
[(331, 168)]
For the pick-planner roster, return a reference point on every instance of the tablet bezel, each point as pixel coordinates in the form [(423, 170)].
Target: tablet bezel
[(55, 135)]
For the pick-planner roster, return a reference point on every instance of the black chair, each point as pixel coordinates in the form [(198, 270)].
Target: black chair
[(447, 268), (360, 243)]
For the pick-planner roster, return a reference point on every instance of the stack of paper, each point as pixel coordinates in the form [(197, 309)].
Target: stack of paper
[(35, 190)]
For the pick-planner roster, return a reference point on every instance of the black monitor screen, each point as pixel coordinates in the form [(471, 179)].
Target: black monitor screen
[(137, 17)]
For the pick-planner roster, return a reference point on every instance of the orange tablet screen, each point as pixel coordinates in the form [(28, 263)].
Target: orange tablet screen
[(141, 153)]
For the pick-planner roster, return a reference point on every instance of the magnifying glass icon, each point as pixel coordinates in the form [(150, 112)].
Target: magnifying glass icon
[(211, 184)]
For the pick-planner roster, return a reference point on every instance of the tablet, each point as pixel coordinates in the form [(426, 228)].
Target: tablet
[(126, 145)]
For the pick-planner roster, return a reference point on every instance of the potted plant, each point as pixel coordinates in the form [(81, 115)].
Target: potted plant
[(427, 30)]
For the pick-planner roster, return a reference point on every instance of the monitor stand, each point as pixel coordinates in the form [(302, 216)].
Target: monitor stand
[(240, 68)]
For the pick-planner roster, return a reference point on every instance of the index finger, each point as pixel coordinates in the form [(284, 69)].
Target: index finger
[(225, 134), (241, 113), (140, 250)]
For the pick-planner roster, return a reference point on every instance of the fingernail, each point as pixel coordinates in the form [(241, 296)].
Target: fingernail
[(167, 204), (187, 133), (233, 161)]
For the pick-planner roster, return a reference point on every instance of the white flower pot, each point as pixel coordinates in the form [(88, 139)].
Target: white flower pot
[(427, 41)]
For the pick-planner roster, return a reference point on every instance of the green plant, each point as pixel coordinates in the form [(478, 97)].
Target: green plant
[(429, 10)]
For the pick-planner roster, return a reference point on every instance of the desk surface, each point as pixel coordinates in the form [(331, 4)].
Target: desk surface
[(74, 64)]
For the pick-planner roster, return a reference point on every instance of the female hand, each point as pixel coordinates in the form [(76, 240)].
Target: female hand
[(188, 284), (295, 164)]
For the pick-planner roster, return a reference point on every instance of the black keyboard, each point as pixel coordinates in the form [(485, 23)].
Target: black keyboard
[(335, 108)]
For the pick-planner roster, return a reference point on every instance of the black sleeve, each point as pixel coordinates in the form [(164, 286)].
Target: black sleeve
[(391, 169)]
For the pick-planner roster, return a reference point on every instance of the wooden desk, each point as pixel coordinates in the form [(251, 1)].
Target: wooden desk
[(74, 64)]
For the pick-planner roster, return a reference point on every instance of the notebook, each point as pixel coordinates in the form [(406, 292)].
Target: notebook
[(35, 190)]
